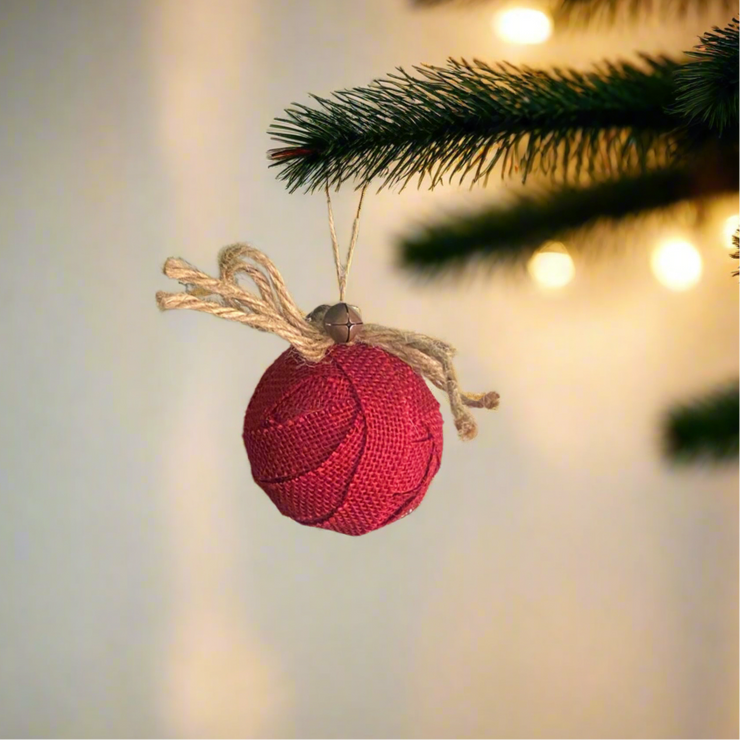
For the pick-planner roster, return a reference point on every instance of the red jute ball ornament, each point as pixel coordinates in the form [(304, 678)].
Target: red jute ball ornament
[(350, 443), (342, 432)]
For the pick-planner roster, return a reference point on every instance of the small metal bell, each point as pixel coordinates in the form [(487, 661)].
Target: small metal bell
[(343, 322)]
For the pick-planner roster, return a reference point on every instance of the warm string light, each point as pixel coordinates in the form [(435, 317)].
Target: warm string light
[(551, 266), (676, 264), (522, 25)]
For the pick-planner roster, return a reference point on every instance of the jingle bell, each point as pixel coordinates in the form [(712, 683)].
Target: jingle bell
[(343, 323)]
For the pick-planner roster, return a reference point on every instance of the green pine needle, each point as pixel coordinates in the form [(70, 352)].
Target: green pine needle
[(465, 119), (589, 10), (510, 234), (705, 429), (585, 10), (707, 88)]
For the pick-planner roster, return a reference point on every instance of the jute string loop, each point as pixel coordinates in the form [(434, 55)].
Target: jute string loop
[(343, 269), (274, 311)]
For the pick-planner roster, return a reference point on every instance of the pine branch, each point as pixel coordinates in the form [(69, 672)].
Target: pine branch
[(464, 119), (705, 429), (707, 89), (510, 234), (585, 11)]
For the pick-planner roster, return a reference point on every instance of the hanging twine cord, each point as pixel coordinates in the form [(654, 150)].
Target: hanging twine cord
[(343, 269), (273, 310)]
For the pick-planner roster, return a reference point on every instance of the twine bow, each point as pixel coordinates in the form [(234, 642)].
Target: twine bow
[(275, 311)]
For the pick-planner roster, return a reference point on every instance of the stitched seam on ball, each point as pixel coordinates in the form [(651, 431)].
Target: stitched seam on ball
[(267, 413), (271, 426), (407, 411), (424, 485), (322, 464), (423, 478), (428, 438), (398, 511), (439, 459)]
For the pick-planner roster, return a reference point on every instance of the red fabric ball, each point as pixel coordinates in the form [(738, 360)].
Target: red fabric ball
[(350, 443)]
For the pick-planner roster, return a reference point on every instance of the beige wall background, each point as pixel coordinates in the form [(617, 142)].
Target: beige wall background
[(559, 580)]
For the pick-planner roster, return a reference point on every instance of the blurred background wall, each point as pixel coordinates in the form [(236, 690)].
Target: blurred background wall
[(559, 580)]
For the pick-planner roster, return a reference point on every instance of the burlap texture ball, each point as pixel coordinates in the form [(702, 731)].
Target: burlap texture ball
[(348, 444)]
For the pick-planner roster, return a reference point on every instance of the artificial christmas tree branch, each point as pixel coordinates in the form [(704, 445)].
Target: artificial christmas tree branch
[(463, 120), (641, 130), (587, 10), (705, 429), (707, 88), (503, 233), (569, 12)]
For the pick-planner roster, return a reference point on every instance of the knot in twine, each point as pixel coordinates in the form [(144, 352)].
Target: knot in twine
[(274, 311)]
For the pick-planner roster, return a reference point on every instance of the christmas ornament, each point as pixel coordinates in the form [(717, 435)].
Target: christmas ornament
[(342, 432)]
